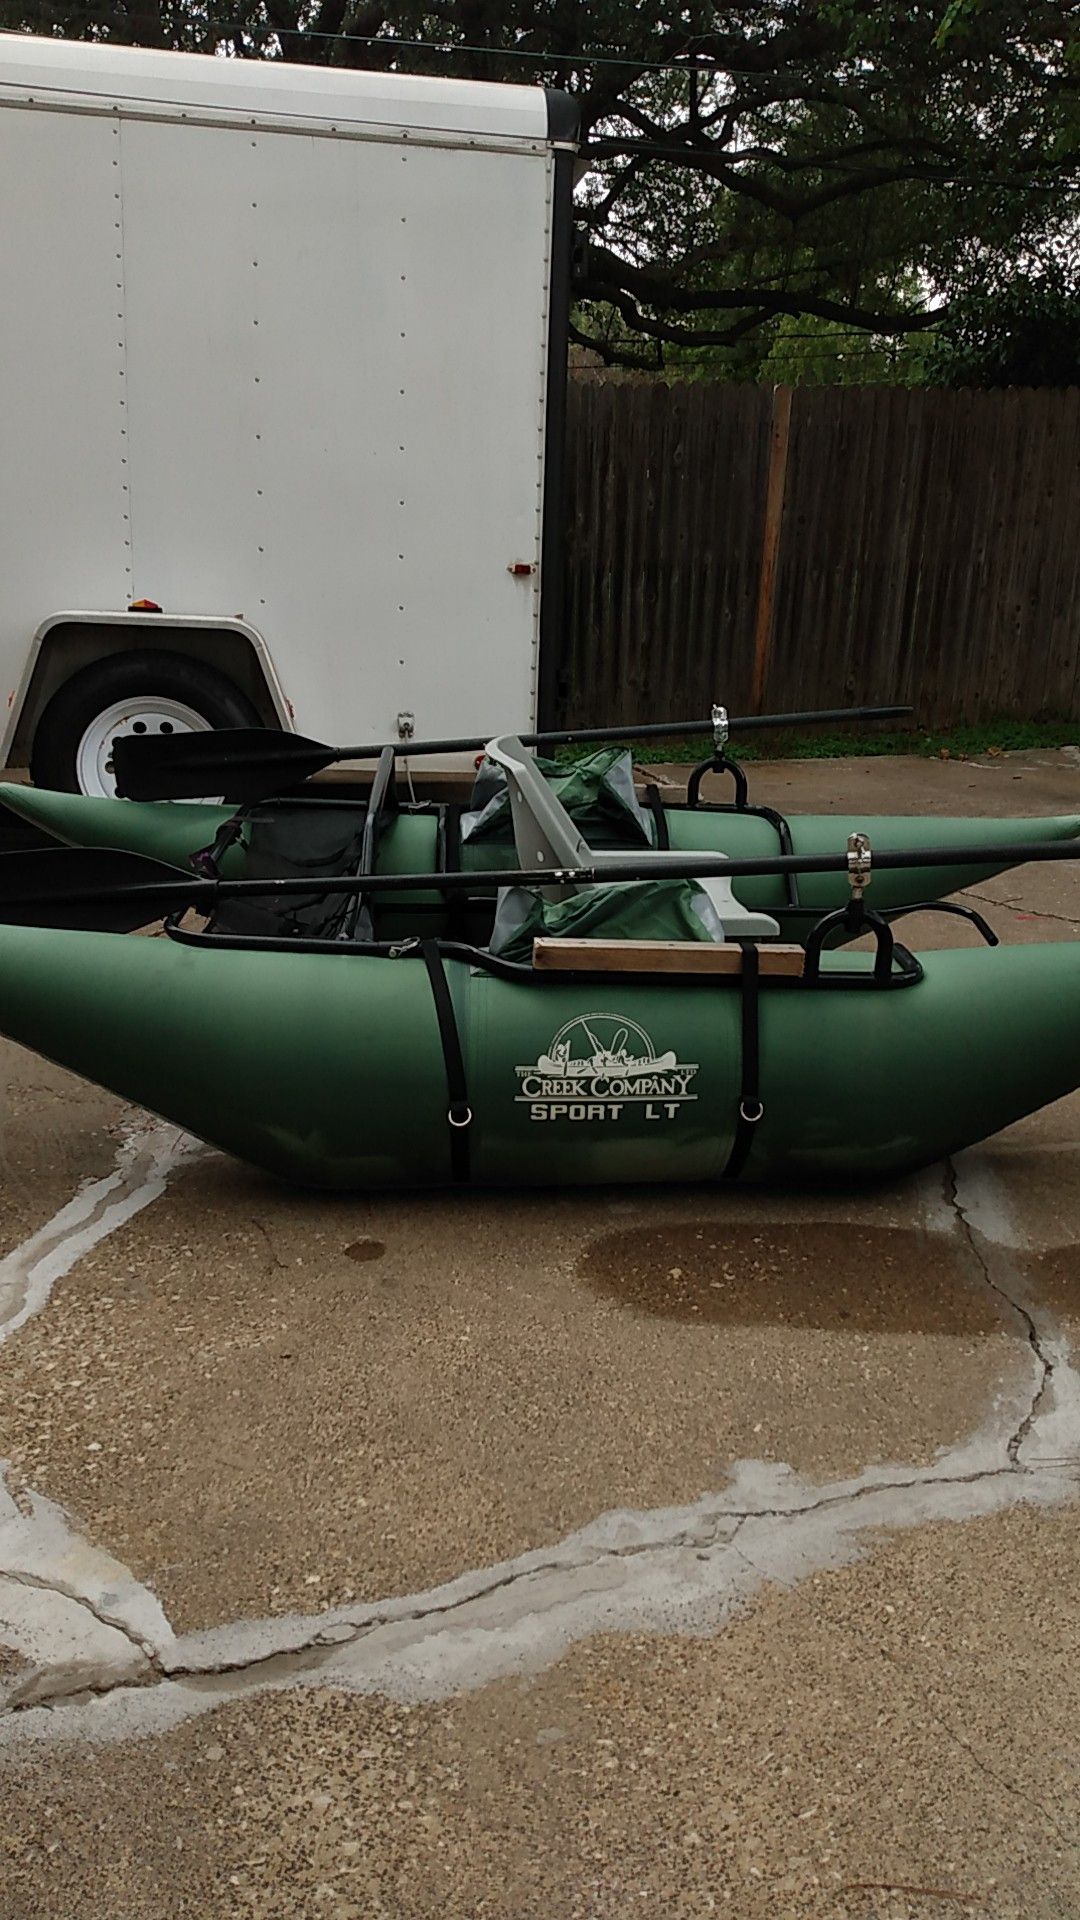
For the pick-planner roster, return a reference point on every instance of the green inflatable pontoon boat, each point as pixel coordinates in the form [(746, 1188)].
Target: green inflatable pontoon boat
[(330, 1070), (318, 834), (624, 1017)]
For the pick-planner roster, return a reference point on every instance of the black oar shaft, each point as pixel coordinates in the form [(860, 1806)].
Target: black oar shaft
[(174, 889), (690, 866), (653, 730)]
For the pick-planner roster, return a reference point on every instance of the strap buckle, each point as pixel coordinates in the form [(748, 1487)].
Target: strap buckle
[(720, 728)]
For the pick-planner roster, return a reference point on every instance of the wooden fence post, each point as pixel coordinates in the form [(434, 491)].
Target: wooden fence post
[(779, 441)]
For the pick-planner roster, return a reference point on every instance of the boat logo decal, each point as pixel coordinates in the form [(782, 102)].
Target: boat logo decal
[(600, 1066)]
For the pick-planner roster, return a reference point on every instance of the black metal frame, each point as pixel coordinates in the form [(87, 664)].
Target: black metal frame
[(909, 968), (894, 964)]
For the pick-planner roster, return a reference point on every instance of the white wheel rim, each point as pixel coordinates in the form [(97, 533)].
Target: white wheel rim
[(141, 715)]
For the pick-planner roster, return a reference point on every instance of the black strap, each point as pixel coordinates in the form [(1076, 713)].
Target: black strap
[(459, 1112), (656, 808), (451, 826), (456, 902), (750, 1107)]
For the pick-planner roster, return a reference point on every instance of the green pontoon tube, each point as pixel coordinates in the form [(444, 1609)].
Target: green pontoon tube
[(628, 1018), (315, 833)]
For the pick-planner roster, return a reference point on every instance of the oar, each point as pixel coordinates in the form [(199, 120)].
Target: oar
[(93, 887), (249, 763)]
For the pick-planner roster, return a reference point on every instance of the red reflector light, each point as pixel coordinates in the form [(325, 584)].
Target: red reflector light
[(144, 606)]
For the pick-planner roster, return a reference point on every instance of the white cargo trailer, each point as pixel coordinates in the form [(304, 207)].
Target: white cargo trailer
[(282, 354)]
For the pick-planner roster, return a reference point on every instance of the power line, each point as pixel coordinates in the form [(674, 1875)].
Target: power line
[(691, 61), (392, 43)]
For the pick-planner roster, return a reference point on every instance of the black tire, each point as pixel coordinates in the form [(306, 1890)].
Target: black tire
[(144, 671)]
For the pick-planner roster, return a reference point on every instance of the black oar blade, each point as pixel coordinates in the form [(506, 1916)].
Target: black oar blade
[(97, 889), (243, 763)]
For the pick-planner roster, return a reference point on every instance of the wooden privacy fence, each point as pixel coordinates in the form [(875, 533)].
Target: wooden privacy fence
[(818, 547)]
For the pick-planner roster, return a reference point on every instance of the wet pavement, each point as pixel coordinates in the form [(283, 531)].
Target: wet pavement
[(548, 1555)]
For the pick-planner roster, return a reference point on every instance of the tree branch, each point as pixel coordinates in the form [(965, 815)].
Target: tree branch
[(611, 279)]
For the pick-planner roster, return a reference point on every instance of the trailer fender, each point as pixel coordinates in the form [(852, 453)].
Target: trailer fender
[(68, 642)]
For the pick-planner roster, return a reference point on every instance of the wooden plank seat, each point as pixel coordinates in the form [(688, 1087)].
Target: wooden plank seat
[(662, 956)]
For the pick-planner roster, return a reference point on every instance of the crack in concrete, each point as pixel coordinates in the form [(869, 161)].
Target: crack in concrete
[(542, 1589), (64, 1590), (1016, 905), (326, 1635), (41, 1554), (1044, 1364), (960, 1740)]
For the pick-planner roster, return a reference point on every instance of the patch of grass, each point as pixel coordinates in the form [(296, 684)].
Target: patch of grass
[(961, 743)]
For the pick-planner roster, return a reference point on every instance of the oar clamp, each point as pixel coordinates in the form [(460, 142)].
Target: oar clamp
[(719, 763), (860, 862)]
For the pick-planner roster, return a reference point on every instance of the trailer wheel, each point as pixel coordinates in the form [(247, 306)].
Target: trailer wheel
[(145, 690)]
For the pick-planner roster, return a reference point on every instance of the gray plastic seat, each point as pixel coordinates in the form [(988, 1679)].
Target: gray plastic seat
[(545, 836)]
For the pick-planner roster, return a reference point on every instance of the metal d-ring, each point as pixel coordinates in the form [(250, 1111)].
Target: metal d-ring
[(465, 1119)]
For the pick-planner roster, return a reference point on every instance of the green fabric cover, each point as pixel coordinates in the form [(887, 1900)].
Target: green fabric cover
[(624, 910), (597, 792)]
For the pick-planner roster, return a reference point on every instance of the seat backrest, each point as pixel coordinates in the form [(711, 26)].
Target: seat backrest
[(544, 834)]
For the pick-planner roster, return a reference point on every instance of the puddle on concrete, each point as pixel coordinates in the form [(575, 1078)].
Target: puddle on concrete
[(366, 1250), (881, 1279)]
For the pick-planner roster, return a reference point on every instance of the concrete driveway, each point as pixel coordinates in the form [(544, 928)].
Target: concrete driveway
[(588, 1554)]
